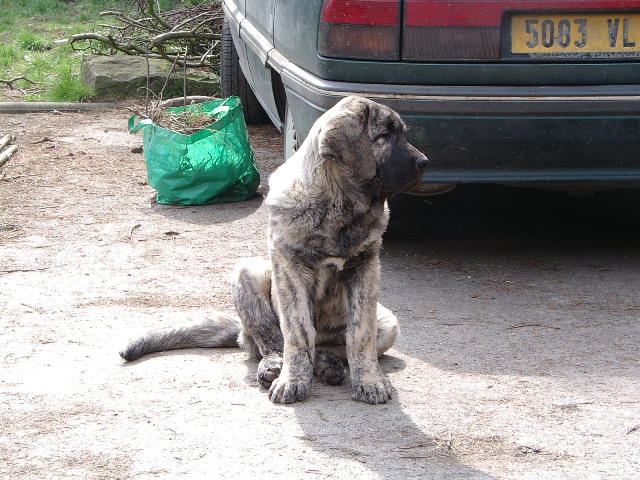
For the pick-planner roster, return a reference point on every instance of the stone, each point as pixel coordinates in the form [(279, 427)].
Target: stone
[(126, 76)]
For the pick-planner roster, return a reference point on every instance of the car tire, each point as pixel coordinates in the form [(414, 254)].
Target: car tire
[(290, 137), (233, 81)]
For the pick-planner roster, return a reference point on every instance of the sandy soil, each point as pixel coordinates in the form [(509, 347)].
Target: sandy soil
[(518, 359)]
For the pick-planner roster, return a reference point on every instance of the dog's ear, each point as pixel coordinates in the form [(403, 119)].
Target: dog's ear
[(365, 161), (344, 137), (341, 126), (328, 145), (337, 146), (366, 167)]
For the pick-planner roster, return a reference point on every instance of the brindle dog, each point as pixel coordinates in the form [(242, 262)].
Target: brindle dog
[(314, 302)]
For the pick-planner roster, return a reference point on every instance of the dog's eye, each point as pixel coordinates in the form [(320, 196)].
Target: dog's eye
[(382, 138)]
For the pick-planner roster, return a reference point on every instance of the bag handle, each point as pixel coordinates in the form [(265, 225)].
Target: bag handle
[(220, 109), (134, 127)]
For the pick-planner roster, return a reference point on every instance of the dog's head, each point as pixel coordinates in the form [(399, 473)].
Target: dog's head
[(369, 141)]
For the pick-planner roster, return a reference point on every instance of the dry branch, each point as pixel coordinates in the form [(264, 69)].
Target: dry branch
[(10, 82), (189, 100), (6, 140), (205, 15), (126, 19), (152, 11), (7, 154), (157, 34), (158, 40)]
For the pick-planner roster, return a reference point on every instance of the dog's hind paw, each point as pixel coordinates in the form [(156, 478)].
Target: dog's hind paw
[(288, 391), (269, 369), (329, 368)]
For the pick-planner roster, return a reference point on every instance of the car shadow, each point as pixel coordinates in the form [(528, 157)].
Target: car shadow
[(500, 281)]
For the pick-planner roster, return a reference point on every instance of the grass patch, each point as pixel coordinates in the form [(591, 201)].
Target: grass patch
[(32, 42), (28, 29), (68, 86), (9, 54)]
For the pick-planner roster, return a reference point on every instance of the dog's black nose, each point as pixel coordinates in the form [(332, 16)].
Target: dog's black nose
[(422, 162)]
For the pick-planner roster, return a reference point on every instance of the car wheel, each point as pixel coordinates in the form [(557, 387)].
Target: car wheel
[(233, 81), (290, 136)]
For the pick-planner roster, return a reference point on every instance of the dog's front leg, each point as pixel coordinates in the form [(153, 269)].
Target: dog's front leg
[(368, 382), (291, 287)]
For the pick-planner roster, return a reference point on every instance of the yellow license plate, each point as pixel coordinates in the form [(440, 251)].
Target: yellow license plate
[(599, 35)]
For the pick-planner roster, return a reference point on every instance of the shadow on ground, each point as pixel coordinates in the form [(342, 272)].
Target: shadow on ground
[(493, 280), (493, 218), (209, 214), (383, 438)]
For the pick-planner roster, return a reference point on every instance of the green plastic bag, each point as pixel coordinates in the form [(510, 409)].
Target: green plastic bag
[(213, 165)]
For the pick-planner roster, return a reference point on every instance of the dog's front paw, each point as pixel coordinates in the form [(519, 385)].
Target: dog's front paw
[(375, 391), (269, 369), (285, 390)]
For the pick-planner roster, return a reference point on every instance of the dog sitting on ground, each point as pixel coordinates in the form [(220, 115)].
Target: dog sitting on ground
[(314, 302)]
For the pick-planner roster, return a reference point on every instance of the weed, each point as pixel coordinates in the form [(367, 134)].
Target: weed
[(68, 87), (43, 63), (8, 55), (32, 42)]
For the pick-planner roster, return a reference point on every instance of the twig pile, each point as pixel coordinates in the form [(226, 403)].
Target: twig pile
[(187, 121), (157, 34)]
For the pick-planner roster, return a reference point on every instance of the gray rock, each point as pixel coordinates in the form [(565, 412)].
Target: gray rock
[(126, 76)]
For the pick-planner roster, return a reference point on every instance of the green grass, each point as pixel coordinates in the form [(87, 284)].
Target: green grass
[(32, 42), (28, 29), (67, 86), (9, 54)]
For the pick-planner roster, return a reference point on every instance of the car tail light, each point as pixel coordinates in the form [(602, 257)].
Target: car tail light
[(363, 29), (462, 29)]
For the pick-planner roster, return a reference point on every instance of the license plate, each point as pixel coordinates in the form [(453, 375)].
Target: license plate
[(599, 35)]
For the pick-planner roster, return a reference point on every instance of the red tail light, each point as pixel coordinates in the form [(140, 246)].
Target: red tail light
[(364, 29)]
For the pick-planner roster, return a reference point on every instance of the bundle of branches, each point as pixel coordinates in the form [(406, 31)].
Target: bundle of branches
[(188, 121), (148, 31)]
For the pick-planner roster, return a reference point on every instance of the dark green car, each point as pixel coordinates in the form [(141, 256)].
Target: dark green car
[(492, 91)]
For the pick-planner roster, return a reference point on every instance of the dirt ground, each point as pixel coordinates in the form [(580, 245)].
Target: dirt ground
[(518, 359)]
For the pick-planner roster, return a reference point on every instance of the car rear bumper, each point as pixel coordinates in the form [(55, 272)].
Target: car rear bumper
[(434, 99), (498, 134)]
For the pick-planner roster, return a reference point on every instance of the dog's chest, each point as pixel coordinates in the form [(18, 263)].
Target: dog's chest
[(318, 233), (350, 241), (344, 232), (330, 295)]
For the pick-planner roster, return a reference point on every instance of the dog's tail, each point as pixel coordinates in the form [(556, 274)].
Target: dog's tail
[(221, 330)]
